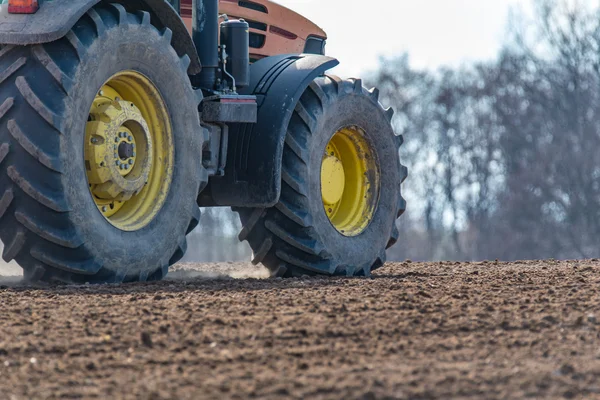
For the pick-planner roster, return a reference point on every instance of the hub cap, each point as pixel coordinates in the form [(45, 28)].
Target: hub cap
[(349, 181), (129, 150)]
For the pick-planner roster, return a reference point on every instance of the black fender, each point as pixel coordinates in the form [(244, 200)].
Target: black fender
[(255, 151), (55, 18)]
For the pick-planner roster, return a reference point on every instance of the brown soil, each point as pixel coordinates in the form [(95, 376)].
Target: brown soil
[(414, 330)]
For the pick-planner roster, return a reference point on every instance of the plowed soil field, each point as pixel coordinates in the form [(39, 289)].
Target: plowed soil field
[(412, 330)]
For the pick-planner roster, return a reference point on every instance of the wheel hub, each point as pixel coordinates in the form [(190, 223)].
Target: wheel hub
[(128, 150), (114, 168), (349, 181)]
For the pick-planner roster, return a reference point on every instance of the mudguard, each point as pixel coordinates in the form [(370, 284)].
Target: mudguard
[(55, 18), (253, 172)]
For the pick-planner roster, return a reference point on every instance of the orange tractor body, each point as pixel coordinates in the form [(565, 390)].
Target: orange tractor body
[(274, 29)]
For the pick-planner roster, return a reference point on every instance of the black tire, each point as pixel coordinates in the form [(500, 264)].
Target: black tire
[(49, 222), (295, 237)]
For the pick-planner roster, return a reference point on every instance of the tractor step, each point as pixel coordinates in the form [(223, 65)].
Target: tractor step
[(229, 108)]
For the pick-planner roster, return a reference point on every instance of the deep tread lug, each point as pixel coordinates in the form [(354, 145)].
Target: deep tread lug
[(293, 182), (6, 201), (14, 67), (358, 88), (301, 218), (144, 17), (75, 42), (319, 268), (185, 62), (4, 149), (12, 249), (98, 22), (308, 246), (251, 223), (34, 101), (59, 76), (35, 274), (399, 140), (401, 207), (179, 252), (374, 94), (403, 173), (121, 12), (319, 92), (262, 251), (280, 271), (300, 151), (47, 233), (393, 237), (36, 152), (6, 49), (309, 119), (36, 194), (194, 221), (389, 113), (167, 34), (6, 106), (88, 267)]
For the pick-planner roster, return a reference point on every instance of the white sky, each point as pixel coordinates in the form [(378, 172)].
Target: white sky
[(433, 32)]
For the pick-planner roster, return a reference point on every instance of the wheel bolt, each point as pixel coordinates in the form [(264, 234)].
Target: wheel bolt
[(126, 166), (117, 163), (122, 166), (130, 161)]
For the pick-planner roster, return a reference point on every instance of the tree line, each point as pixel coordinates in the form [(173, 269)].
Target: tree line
[(504, 156)]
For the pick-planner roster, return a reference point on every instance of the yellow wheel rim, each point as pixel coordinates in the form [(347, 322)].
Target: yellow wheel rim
[(349, 181), (129, 150)]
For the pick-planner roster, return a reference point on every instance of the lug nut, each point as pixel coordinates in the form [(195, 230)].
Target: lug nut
[(126, 166), (130, 161), (103, 208), (130, 138), (133, 154), (122, 166), (117, 163)]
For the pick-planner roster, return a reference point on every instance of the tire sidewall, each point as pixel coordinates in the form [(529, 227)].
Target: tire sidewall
[(352, 108), (143, 49)]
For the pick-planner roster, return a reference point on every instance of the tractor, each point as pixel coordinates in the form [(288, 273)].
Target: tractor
[(120, 119)]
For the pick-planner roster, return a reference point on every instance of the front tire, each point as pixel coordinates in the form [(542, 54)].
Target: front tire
[(50, 222), (338, 133)]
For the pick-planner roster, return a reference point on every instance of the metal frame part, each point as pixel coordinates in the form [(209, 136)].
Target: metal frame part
[(253, 171)]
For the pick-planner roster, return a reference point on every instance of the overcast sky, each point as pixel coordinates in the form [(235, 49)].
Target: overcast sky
[(434, 32)]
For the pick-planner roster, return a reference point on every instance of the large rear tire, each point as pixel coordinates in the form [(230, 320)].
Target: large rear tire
[(51, 222), (340, 195)]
